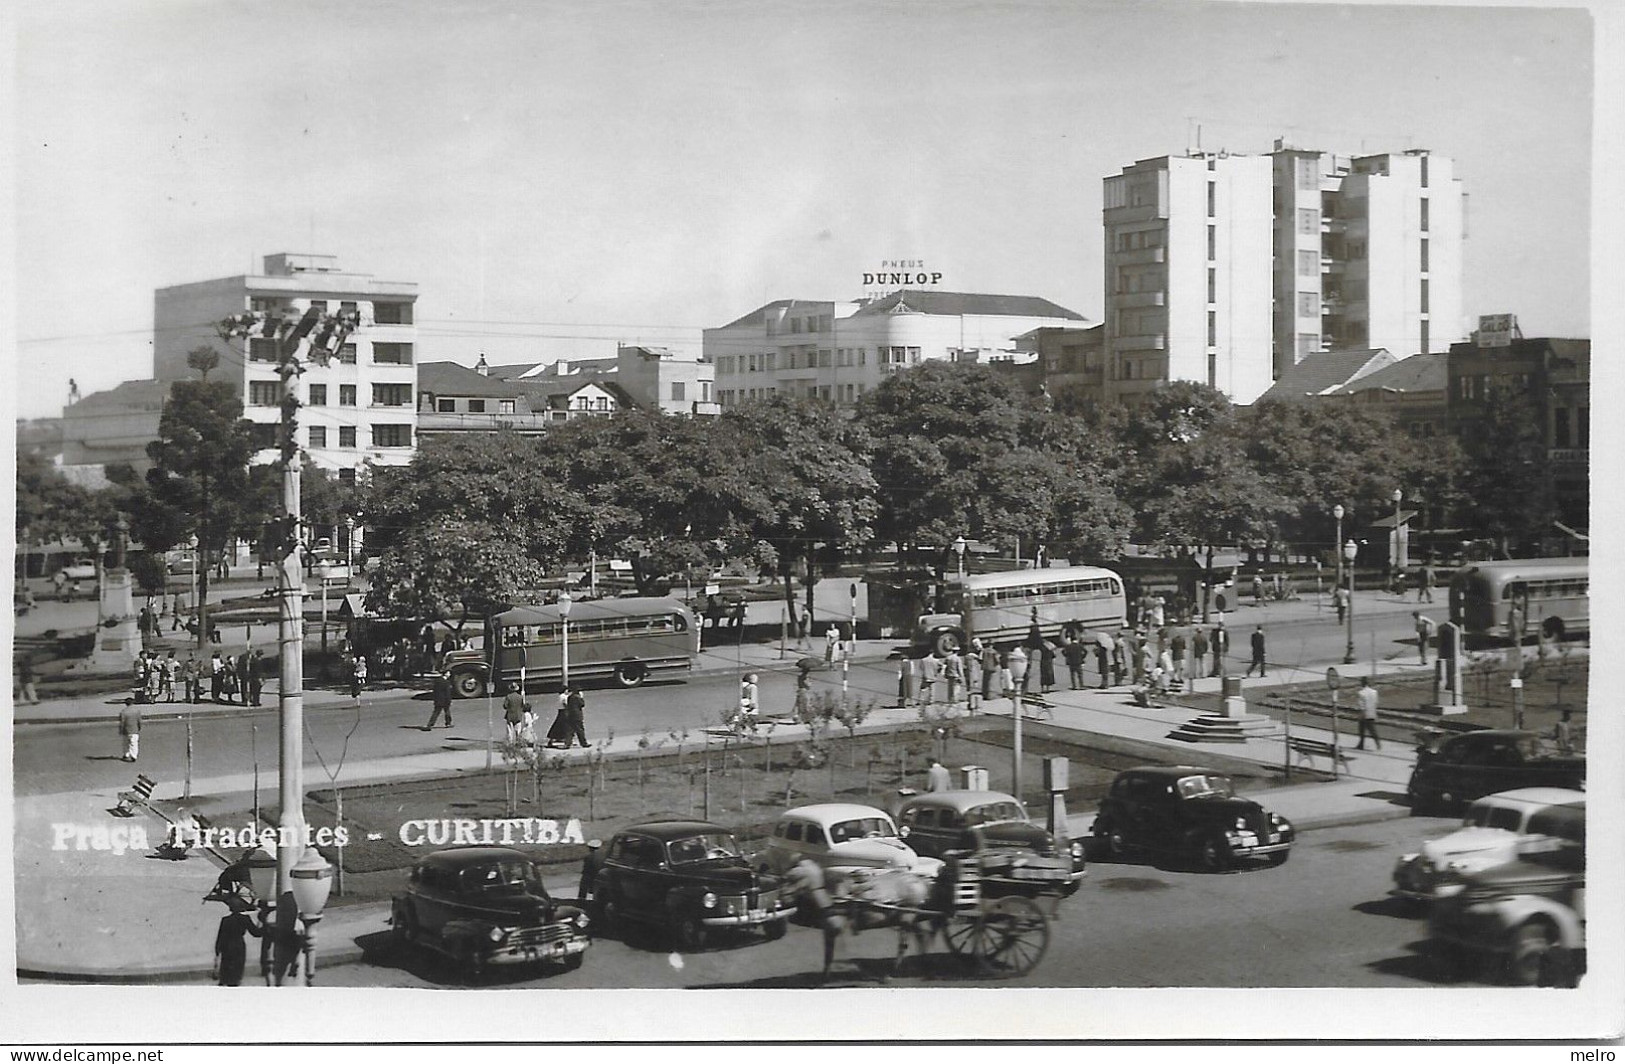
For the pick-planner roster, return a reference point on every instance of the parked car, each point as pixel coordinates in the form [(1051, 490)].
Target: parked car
[(686, 876), (842, 836), (1527, 914), (1191, 814), (1489, 836), (484, 906), (1016, 855), (83, 569), (1453, 770)]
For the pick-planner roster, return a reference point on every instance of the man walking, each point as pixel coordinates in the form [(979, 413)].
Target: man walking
[(256, 677), (1367, 700), (1424, 632), (513, 711), (575, 714), (1199, 651), (974, 678), (1074, 653), (990, 668), (1340, 597), (1424, 583), (937, 777), (1258, 653), (1221, 647), (129, 727), (1103, 662), (442, 699)]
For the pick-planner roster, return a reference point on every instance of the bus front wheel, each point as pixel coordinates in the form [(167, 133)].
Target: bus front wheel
[(1554, 628), (630, 674), (468, 684), (948, 642)]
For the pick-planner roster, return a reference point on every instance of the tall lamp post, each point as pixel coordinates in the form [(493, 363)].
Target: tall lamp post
[(312, 879), (959, 551), (1018, 673), (197, 607), (564, 618), (1399, 558), (1337, 544), (1350, 549)]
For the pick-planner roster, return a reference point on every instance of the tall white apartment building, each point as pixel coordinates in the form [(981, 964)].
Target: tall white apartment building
[(838, 350), (359, 408), (1229, 269)]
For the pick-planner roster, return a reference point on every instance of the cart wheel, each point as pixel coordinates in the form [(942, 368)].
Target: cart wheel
[(961, 934), (1014, 936)]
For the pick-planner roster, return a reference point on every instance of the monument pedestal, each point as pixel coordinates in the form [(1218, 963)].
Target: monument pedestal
[(118, 637)]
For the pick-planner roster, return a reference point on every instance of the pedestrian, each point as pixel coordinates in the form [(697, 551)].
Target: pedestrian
[(231, 943), (975, 678), (1424, 632), (358, 675), (256, 677), (192, 677), (1122, 652), (1367, 699), (1340, 598), (1199, 651), (1165, 667), (1102, 661), (930, 673), (1424, 583), (426, 647), (1221, 647), (1005, 673), (1046, 666), (953, 672), (937, 777), (713, 611), (60, 581), (575, 714), (447, 645), (1148, 658), (216, 677), (1176, 648), (23, 685), (908, 677), (1258, 588), (990, 668), (138, 677), (129, 728), (513, 711), (243, 661), (154, 676), (1073, 653), (1562, 732), (1159, 612), (558, 733), (1258, 653), (442, 699), (831, 637), (171, 667)]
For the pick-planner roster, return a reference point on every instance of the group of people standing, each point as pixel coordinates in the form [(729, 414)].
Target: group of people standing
[(569, 724), (162, 679)]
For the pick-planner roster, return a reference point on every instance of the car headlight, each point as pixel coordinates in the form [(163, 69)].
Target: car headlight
[(1077, 849), (709, 900), (581, 920), (1241, 823), (497, 934)]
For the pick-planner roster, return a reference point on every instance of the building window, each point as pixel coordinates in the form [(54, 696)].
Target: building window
[(346, 395), (261, 349), (348, 307), (392, 435), (318, 435), (1424, 225), (1308, 304), (1212, 328), (318, 395), (1355, 249), (392, 354), (1212, 198), (319, 306), (677, 395), (863, 356), (1308, 263), (1212, 243), (1424, 295), (394, 395), (446, 406), (347, 477), (1212, 369), (1424, 340), (1212, 286), (346, 435), (770, 361), (1308, 174), (475, 406), (601, 403), (264, 393), (1308, 343), (262, 436), (1308, 221), (347, 354), (1560, 428), (505, 406), (1424, 255), (1424, 161), (1582, 426), (392, 313), (824, 359)]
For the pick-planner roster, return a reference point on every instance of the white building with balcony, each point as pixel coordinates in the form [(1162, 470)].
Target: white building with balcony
[(359, 408)]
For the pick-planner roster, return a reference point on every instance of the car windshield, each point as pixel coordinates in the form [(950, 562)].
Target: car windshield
[(503, 876), (1205, 787), (1492, 816), (867, 827), (1531, 747), (994, 812), (696, 848)]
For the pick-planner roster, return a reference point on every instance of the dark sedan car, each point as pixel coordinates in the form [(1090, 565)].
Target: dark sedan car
[(485, 905), (1189, 813), (1016, 855), (1452, 770), (686, 876)]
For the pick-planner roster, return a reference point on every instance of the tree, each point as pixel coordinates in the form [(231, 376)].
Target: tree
[(1510, 491), (454, 569), (51, 507)]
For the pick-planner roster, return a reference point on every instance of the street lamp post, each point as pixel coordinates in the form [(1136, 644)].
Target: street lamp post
[(1018, 673), (1337, 544), (197, 608), (1398, 554), (312, 878), (959, 550), (1350, 549), (564, 618)]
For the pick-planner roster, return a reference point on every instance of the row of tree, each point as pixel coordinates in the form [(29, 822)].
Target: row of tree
[(941, 451)]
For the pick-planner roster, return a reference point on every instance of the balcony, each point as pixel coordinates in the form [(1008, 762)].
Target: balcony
[(1140, 256), (1144, 212), (1126, 300), (1156, 342)]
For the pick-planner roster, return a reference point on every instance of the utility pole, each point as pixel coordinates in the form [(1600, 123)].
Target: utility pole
[(288, 334)]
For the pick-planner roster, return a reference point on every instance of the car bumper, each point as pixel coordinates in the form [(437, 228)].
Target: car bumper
[(531, 953), (1260, 849), (754, 918)]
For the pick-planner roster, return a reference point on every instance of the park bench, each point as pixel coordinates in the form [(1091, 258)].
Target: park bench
[(1037, 707), (139, 794), (1309, 749)]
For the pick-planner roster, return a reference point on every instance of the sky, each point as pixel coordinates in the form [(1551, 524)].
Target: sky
[(558, 176)]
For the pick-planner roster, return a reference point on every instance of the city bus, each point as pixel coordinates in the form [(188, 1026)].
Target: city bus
[(1551, 592), (624, 639), (1002, 607)]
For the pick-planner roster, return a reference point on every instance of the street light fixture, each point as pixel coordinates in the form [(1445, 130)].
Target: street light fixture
[(1018, 673), (1350, 549), (564, 618), (312, 878), (197, 607), (1337, 544), (1398, 556), (959, 549)]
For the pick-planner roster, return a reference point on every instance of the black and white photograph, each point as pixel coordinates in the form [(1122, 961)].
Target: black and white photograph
[(969, 520)]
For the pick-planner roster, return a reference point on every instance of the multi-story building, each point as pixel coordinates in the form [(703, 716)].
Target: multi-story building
[(361, 407), (110, 428), (836, 351), (1229, 269)]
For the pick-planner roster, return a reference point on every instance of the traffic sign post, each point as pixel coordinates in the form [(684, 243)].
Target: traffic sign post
[(1334, 682)]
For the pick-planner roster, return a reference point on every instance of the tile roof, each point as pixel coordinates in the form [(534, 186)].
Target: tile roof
[(451, 378), (1326, 371), (1419, 373), (925, 301), (131, 395), (759, 315)]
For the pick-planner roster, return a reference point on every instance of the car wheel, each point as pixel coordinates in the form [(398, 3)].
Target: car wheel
[(630, 674), (1553, 628), (573, 961), (948, 643), (690, 933), (774, 930), (1278, 859), (606, 915), (1214, 854), (1111, 838), (1531, 944), (403, 926), (468, 684)]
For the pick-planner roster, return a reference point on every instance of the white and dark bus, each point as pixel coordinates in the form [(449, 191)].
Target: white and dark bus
[(1002, 607), (1552, 593)]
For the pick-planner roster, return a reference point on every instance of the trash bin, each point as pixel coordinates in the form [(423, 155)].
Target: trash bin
[(974, 777), (1232, 687)]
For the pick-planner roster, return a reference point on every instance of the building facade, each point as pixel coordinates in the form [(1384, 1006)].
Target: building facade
[(837, 351), (360, 408), (1230, 269)]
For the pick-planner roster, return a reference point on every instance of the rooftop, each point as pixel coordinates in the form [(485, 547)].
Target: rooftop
[(1324, 372), (925, 301)]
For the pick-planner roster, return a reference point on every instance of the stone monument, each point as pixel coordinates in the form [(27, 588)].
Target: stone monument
[(118, 634)]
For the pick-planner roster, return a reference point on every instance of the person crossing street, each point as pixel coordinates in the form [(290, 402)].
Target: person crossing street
[(1367, 700)]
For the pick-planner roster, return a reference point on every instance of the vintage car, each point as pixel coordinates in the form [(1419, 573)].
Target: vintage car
[(1191, 814), (1452, 770), (485, 906), (842, 837), (1015, 855), (686, 876), (1528, 914), (74, 571), (1489, 836)]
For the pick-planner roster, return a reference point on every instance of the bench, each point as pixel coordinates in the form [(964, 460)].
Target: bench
[(139, 794), (1309, 749), (1037, 707)]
